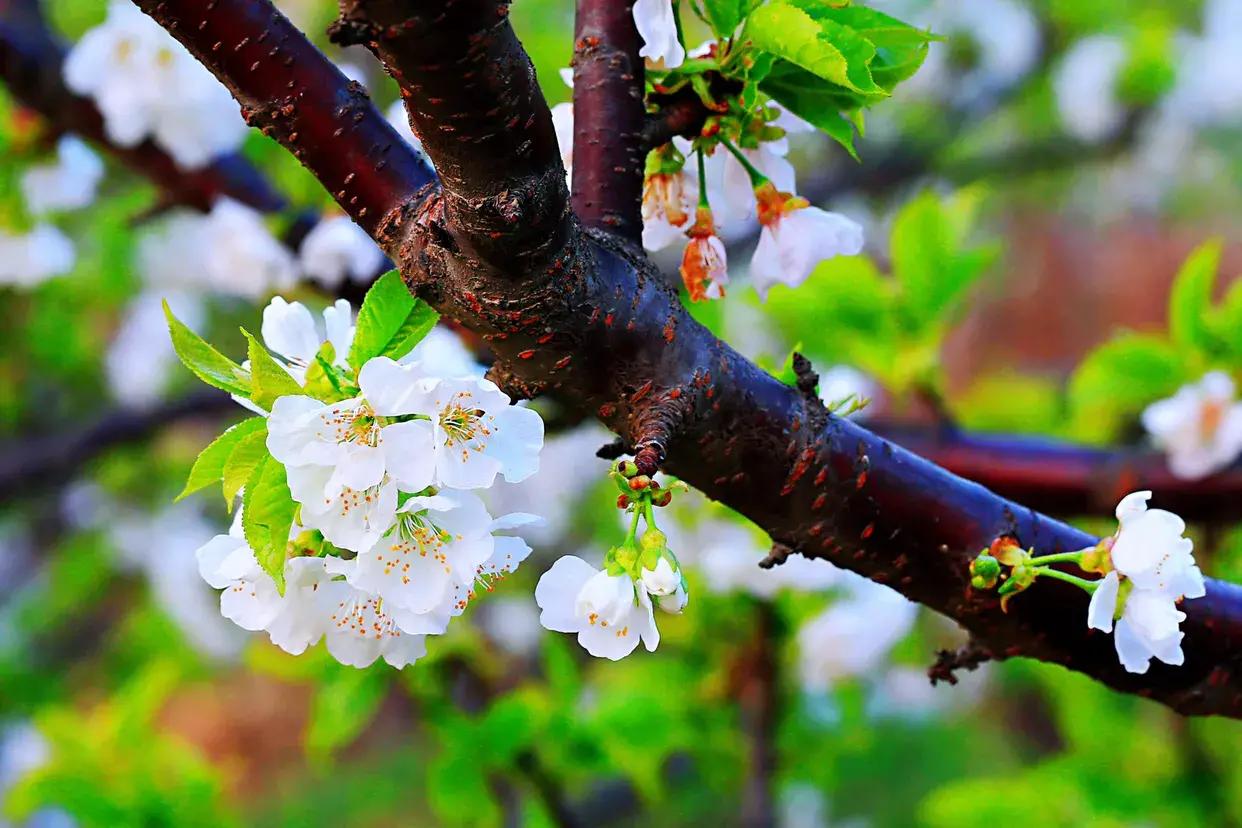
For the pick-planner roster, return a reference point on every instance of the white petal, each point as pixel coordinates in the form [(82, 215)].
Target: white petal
[(393, 389), (289, 330), (1103, 604), (1132, 505), (557, 593), (1132, 651), (409, 453)]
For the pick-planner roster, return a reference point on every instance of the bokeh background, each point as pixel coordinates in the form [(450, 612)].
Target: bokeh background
[(1081, 149)]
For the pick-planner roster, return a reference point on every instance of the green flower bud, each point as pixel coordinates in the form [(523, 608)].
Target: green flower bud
[(984, 571), (627, 468)]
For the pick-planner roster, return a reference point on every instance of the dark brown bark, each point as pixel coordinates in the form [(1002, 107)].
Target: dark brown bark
[(583, 315), (31, 60), (473, 101), (609, 116)]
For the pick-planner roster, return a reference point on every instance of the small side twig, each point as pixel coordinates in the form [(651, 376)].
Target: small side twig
[(777, 555), (968, 657)]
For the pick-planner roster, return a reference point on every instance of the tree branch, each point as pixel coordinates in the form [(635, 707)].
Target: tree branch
[(33, 463), (31, 61), (473, 101), (609, 118), (1066, 479), (587, 317)]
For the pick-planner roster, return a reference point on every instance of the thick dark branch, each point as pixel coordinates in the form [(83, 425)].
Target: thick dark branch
[(609, 117), (35, 462), (680, 114), (473, 101), (593, 323), (1066, 479), (31, 60), (759, 700)]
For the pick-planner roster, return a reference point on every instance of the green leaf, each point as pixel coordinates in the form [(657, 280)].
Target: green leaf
[(346, 700), (268, 378), (930, 261), (724, 16), (1190, 299), (208, 364), (241, 463), (421, 319), (1118, 379), (823, 47), (815, 101), (323, 381), (390, 323), (267, 516), (209, 467)]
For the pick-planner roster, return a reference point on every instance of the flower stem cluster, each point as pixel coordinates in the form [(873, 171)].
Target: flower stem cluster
[(612, 609), (1147, 568)]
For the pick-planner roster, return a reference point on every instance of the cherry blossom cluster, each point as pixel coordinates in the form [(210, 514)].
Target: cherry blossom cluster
[(613, 608), (739, 174), (1148, 569), (360, 521), (60, 185), (147, 86)]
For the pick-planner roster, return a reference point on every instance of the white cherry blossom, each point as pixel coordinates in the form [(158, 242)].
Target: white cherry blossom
[(228, 251), (27, 259), (479, 434), (1085, 85), (147, 85), (853, 636), (336, 249), (657, 26), (437, 541), (796, 237), (289, 330), (1153, 570), (68, 183), (293, 621), (1199, 427), (609, 613)]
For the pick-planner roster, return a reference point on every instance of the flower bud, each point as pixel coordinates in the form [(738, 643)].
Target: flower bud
[(675, 603), (984, 571), (639, 483), (623, 501), (664, 498), (627, 468), (662, 580)]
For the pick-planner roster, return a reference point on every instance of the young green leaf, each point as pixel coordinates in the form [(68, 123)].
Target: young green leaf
[(1117, 380), (421, 319), (268, 378), (209, 467), (208, 364), (725, 15), (323, 380), (242, 462), (1190, 299), (390, 323), (823, 47), (267, 516)]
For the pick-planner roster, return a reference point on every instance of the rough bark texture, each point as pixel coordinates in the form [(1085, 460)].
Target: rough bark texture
[(30, 64), (582, 315), (609, 147)]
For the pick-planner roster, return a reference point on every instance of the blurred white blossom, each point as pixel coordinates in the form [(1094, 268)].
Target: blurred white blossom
[(147, 85), (68, 183)]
